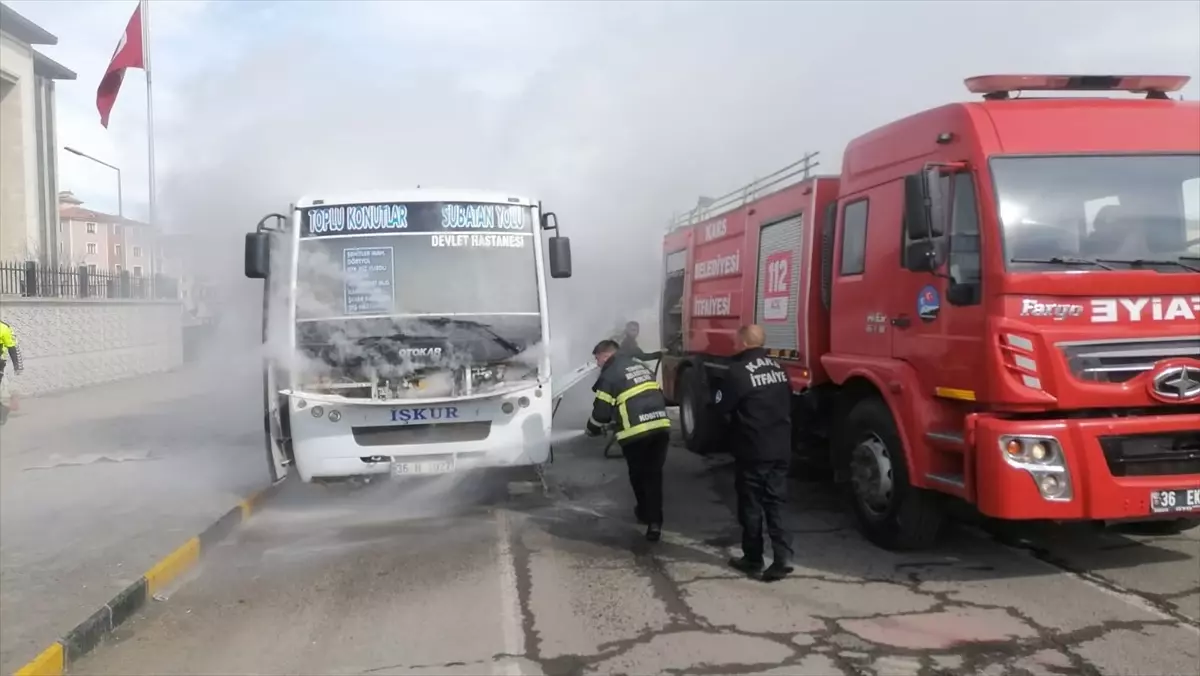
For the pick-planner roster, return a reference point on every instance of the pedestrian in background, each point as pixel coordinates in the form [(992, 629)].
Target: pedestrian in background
[(756, 399), (628, 388)]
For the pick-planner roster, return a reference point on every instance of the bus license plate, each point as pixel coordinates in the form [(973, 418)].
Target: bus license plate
[(1178, 500), (400, 468)]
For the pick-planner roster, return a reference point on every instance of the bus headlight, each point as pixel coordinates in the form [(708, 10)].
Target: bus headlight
[(507, 407), (317, 411), (335, 416)]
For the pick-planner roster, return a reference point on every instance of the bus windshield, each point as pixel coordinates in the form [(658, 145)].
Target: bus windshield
[(1100, 212), (419, 259), (388, 294)]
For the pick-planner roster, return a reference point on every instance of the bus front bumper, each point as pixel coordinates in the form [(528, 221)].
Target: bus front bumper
[(350, 440)]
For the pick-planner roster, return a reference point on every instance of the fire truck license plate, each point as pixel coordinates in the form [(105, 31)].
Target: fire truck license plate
[(1178, 500), (401, 468)]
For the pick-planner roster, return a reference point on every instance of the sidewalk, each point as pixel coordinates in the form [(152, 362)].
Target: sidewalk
[(97, 484)]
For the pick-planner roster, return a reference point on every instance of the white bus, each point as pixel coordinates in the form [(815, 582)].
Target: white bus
[(406, 332)]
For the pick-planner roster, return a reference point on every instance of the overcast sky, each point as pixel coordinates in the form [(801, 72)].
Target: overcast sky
[(615, 114)]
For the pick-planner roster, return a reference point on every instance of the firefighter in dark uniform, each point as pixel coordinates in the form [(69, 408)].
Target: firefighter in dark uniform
[(756, 399), (629, 343), (628, 396)]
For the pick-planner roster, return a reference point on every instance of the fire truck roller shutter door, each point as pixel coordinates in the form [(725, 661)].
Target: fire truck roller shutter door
[(779, 282)]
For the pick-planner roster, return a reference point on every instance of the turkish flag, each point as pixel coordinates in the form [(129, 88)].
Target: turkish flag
[(129, 54)]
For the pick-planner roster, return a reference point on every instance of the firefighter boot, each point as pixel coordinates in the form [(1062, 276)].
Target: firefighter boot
[(654, 532), (745, 565), (776, 571)]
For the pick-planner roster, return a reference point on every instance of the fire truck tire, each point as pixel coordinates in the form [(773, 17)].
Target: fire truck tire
[(696, 422), (892, 513)]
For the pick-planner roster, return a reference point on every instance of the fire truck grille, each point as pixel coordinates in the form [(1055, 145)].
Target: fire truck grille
[(1165, 454), (1118, 361)]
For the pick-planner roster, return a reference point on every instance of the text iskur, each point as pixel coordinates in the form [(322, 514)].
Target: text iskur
[(424, 414)]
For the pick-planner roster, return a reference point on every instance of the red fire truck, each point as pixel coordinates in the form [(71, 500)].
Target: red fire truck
[(996, 301)]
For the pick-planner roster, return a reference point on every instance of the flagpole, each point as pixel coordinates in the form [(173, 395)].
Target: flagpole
[(145, 6)]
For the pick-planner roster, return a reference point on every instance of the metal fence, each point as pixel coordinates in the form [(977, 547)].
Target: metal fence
[(35, 280)]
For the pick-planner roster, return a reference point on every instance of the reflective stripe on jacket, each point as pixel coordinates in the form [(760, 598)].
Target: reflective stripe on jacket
[(628, 387), (8, 346)]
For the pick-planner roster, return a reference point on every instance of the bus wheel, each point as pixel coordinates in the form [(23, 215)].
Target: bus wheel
[(891, 512), (695, 420)]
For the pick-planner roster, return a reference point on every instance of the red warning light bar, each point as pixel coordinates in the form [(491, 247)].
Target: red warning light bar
[(998, 86)]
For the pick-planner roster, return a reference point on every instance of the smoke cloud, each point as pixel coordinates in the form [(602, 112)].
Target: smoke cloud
[(615, 114)]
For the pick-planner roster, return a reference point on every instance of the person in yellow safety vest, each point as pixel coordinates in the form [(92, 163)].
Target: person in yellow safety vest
[(629, 388), (9, 349)]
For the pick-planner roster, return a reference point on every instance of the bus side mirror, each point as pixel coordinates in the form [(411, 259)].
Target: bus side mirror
[(560, 257), (258, 255)]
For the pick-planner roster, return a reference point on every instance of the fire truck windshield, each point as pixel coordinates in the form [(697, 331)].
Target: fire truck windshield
[(1099, 213), (428, 259)]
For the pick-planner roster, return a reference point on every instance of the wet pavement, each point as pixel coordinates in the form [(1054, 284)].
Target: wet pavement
[(98, 484), (514, 574)]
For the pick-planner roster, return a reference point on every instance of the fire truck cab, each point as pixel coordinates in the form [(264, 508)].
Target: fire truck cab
[(996, 301)]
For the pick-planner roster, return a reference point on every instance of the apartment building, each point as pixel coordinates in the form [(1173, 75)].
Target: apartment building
[(28, 143), (106, 242)]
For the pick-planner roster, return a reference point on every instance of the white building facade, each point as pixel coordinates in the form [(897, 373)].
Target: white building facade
[(28, 142)]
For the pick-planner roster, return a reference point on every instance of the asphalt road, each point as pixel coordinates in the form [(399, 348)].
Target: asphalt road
[(475, 576), (98, 484)]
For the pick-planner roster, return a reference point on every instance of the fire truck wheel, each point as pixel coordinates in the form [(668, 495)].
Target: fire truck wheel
[(695, 422), (891, 512)]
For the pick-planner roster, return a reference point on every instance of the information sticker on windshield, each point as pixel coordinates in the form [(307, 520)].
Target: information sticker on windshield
[(367, 272)]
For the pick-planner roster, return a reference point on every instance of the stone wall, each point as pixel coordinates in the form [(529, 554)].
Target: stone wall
[(75, 343)]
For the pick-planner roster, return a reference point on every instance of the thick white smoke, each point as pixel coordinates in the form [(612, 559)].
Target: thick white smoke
[(614, 114)]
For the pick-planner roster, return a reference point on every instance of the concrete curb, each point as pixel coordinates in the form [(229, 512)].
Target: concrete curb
[(55, 660)]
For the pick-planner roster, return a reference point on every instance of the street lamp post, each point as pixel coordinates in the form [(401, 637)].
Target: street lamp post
[(120, 198)]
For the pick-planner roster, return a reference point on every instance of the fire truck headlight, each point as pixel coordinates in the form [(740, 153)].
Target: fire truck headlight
[(1043, 458), (1039, 451), (1053, 485)]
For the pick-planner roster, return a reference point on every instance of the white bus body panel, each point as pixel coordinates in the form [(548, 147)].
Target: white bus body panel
[(326, 448)]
